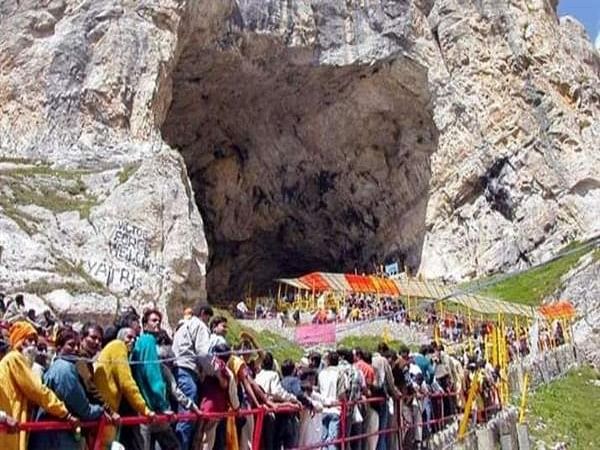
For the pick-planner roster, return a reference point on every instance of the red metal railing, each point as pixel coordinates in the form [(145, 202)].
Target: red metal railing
[(343, 438)]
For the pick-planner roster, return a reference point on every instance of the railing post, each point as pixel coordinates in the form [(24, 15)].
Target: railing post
[(343, 423), (99, 433), (258, 426), (401, 423)]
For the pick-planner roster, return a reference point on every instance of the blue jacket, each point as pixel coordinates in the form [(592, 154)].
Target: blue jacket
[(426, 367), (62, 378), (149, 376)]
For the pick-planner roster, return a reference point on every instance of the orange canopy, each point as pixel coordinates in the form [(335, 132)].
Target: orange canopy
[(563, 309), (345, 282)]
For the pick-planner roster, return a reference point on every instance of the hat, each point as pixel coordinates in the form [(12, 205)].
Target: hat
[(19, 332)]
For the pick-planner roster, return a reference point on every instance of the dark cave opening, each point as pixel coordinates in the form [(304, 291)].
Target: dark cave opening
[(298, 167)]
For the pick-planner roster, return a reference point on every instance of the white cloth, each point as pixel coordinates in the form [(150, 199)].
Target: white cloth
[(215, 339), (269, 381), (330, 387)]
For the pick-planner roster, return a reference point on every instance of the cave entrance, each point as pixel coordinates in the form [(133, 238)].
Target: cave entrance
[(299, 167)]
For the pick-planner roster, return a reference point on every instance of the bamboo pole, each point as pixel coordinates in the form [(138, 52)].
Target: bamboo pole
[(464, 423), (523, 398)]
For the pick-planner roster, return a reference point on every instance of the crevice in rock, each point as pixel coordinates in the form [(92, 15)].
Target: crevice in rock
[(298, 166), (496, 194)]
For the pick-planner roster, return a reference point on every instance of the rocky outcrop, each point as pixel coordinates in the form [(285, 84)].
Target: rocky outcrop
[(308, 147), (517, 169), (97, 211), (581, 286), (144, 144)]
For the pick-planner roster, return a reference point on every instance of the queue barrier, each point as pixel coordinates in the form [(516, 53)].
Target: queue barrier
[(399, 427)]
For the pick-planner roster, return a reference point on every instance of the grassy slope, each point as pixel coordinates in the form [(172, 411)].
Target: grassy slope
[(368, 343), (531, 286), (279, 346), (568, 408)]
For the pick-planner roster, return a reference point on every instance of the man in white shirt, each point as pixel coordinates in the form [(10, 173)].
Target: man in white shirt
[(332, 388), (273, 426), (242, 310)]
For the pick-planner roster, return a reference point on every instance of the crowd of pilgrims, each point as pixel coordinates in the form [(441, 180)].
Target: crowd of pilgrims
[(51, 370)]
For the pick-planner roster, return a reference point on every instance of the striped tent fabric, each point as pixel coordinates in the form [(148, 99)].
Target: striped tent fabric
[(411, 287)]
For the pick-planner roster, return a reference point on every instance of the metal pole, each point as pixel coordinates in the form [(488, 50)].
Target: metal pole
[(343, 423)]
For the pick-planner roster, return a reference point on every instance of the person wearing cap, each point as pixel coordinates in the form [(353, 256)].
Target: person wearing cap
[(21, 389)]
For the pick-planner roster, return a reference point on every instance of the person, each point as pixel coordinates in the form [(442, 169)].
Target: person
[(21, 388), (216, 398), (129, 319), (89, 347), (385, 387), (355, 388), (371, 416), (241, 310), (191, 344), (332, 390), (148, 374), (40, 363), (250, 394), (275, 425), (63, 379), (114, 380), (218, 331), (166, 355), (291, 383), (15, 310)]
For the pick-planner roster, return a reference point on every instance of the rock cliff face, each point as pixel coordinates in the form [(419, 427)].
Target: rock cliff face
[(148, 146)]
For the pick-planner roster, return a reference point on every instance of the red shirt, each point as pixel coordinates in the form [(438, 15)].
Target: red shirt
[(216, 399), (367, 371)]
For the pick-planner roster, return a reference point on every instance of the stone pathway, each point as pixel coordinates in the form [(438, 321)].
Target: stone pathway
[(401, 332)]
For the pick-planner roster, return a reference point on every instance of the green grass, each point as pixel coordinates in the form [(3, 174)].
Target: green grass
[(531, 286), (45, 170), (43, 287), (70, 196), (368, 343), (127, 172), (568, 409), (70, 269), (25, 221), (279, 346), (11, 159)]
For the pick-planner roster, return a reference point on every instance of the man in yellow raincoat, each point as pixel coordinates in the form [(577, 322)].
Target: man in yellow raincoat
[(114, 380), (20, 389)]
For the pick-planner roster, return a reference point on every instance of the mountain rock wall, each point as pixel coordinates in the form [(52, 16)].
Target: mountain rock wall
[(151, 150)]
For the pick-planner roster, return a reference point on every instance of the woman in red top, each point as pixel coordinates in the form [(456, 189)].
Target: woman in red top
[(216, 398)]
